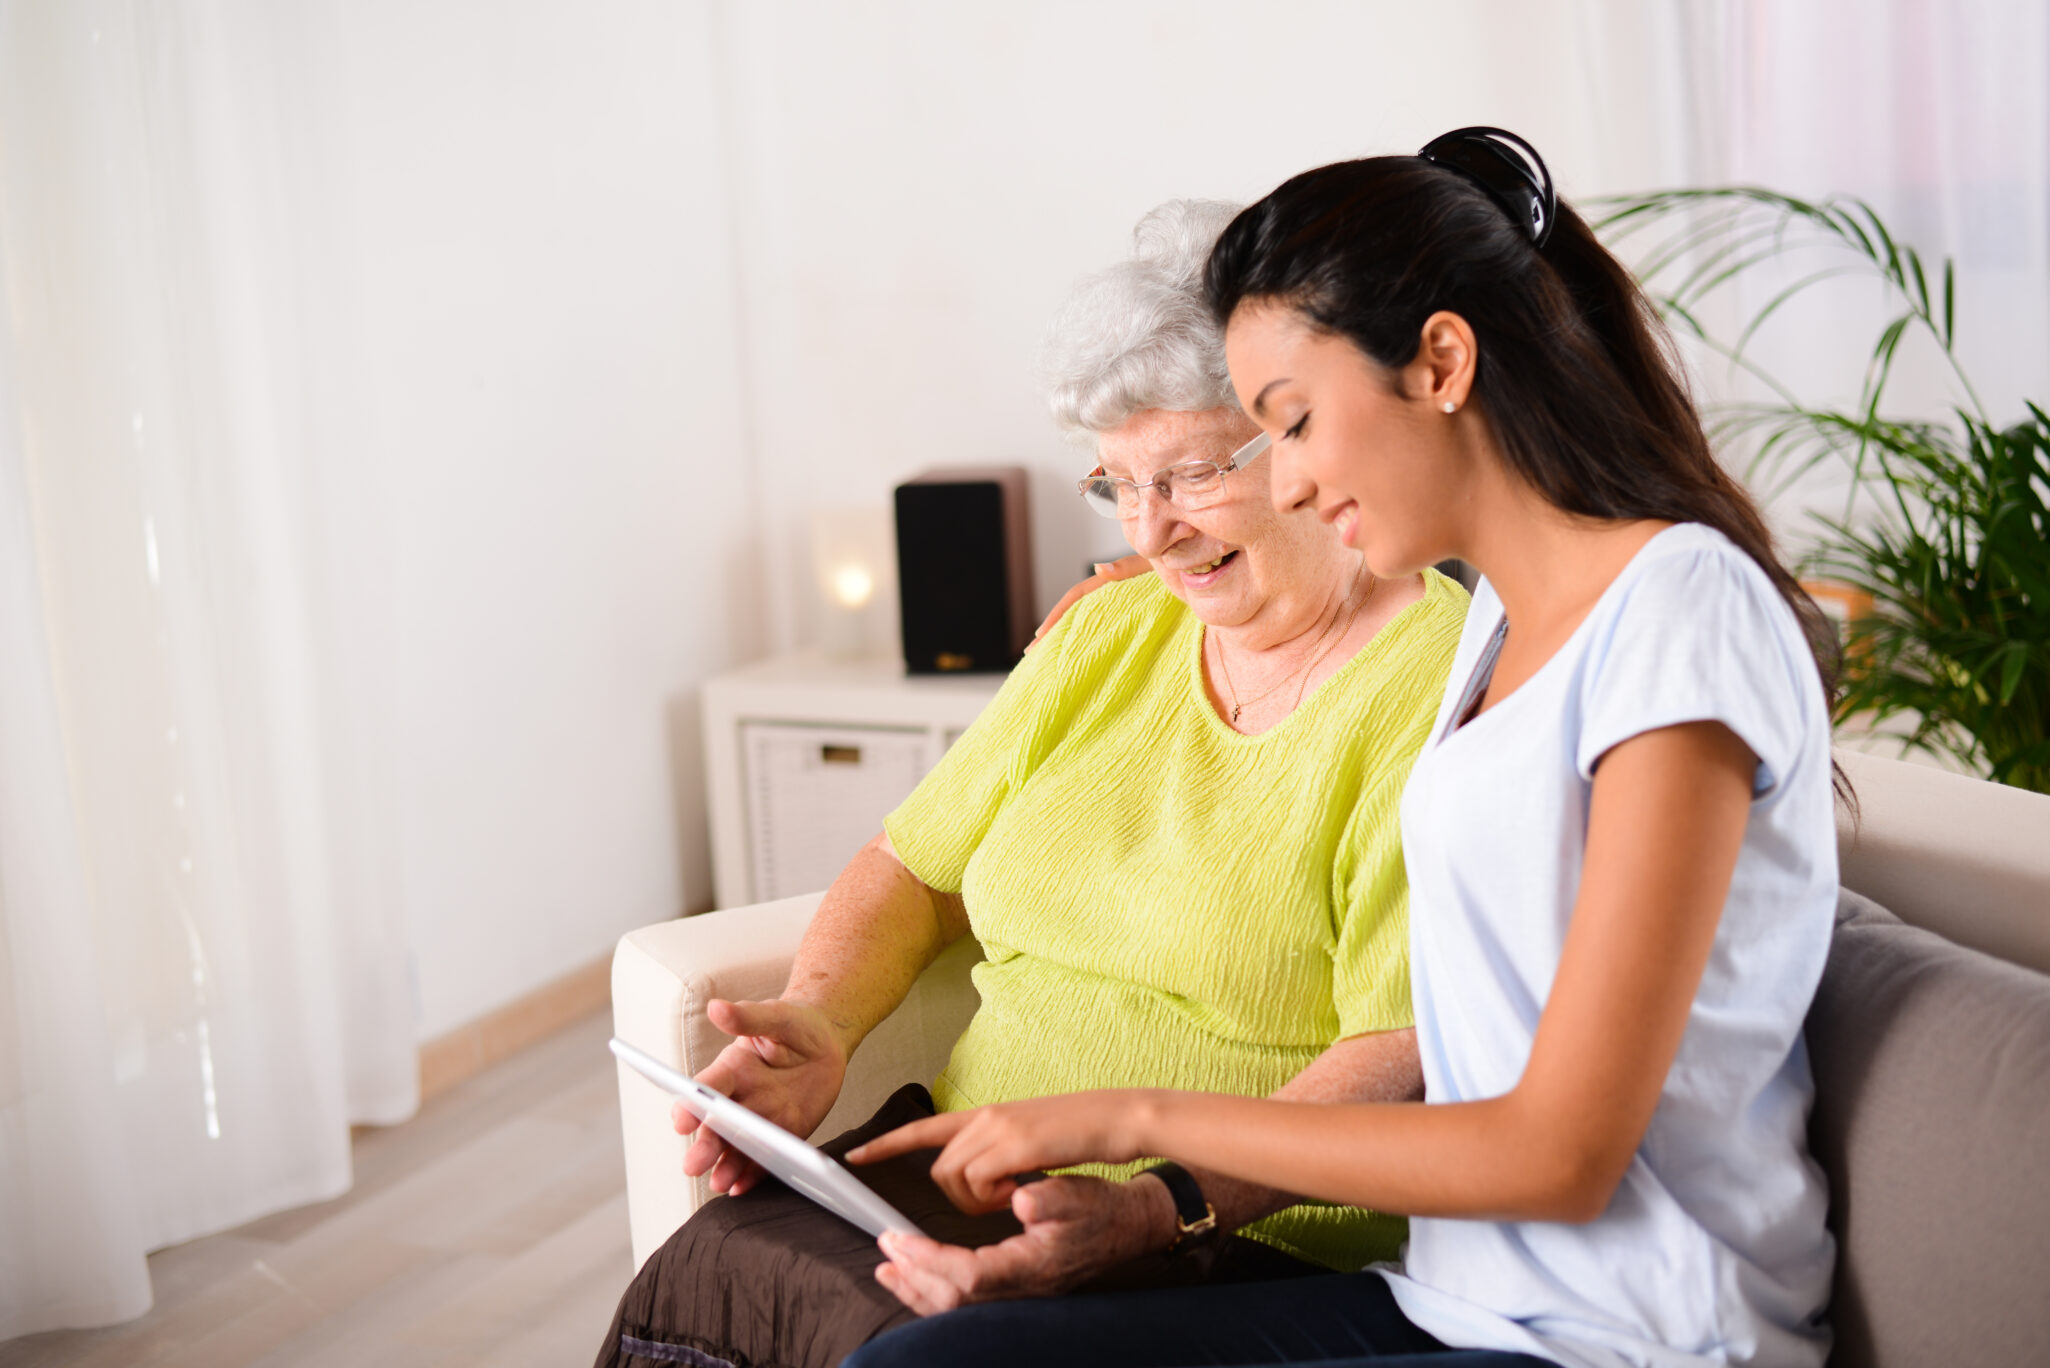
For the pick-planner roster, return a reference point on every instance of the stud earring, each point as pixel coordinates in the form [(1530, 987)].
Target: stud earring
[(1451, 407)]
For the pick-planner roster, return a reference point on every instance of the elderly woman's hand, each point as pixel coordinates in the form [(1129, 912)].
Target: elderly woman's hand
[(785, 1063), (1123, 568), (1075, 1228)]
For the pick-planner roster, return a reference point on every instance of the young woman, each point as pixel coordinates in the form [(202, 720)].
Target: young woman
[(1619, 838)]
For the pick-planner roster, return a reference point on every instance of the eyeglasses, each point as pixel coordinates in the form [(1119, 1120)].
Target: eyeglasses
[(1190, 486)]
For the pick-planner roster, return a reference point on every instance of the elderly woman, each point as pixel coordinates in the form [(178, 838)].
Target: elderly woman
[(1173, 832)]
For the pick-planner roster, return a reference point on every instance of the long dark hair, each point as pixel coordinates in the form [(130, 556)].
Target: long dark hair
[(1576, 373)]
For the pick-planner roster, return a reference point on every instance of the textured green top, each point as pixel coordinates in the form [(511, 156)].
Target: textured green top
[(1165, 902)]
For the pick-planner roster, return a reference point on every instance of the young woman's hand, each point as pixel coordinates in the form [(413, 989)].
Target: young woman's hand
[(1123, 568), (984, 1150)]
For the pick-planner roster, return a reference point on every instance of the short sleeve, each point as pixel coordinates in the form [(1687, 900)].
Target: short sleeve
[(937, 829), (1699, 635)]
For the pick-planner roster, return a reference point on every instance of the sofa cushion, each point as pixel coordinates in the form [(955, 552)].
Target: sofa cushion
[(1932, 1119)]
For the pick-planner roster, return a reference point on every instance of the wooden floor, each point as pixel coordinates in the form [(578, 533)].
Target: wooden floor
[(489, 1230)]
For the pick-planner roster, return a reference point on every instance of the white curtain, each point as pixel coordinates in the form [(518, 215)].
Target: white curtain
[(1938, 114), (1935, 113), (203, 974)]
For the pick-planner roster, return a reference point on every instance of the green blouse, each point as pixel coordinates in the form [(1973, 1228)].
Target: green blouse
[(1165, 902)]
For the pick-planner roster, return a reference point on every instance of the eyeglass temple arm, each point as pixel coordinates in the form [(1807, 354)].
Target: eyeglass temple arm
[(1248, 453)]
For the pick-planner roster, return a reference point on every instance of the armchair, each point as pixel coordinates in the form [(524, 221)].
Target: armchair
[(662, 977)]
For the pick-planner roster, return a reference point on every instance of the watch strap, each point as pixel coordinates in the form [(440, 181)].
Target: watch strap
[(1194, 1216)]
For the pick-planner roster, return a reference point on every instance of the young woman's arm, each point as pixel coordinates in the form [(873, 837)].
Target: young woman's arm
[(1665, 825)]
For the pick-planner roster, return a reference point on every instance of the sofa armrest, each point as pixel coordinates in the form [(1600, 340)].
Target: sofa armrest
[(1962, 857), (662, 977)]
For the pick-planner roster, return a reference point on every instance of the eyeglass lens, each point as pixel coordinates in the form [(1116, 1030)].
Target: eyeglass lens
[(1184, 486), (1189, 485)]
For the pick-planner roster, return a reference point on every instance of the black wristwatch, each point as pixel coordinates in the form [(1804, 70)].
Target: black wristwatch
[(1194, 1217)]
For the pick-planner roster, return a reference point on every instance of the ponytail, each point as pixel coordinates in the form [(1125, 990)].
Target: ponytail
[(1576, 373)]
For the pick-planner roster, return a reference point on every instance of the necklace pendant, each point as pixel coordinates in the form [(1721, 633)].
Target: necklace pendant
[(1236, 709)]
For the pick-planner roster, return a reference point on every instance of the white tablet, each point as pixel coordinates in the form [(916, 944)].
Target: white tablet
[(797, 1162)]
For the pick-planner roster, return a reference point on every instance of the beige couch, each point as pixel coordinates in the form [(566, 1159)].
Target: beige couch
[(1964, 859)]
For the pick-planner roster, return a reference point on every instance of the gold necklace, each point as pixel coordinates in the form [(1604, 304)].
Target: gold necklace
[(1355, 617), (1305, 671)]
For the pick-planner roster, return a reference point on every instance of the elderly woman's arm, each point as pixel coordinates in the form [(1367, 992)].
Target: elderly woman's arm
[(1383, 1067), (876, 930)]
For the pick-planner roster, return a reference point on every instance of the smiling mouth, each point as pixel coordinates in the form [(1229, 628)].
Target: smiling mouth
[(1222, 561)]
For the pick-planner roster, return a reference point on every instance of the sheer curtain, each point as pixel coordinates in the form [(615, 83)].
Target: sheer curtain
[(1936, 114), (203, 975)]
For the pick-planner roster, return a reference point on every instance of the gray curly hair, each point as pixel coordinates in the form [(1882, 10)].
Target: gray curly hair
[(1139, 335)]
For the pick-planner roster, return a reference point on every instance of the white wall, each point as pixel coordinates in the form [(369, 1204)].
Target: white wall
[(545, 316), (921, 183)]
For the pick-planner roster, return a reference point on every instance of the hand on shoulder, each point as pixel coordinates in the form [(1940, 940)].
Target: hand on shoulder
[(1109, 572)]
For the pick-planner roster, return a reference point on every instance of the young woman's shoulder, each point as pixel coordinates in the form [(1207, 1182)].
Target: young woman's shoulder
[(1693, 629), (1692, 584), (1693, 547)]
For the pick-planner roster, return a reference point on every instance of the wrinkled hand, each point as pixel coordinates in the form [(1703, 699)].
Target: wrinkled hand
[(1123, 568), (1075, 1228), (984, 1148), (786, 1063)]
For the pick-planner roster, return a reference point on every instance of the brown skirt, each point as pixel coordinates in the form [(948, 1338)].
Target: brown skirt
[(772, 1280)]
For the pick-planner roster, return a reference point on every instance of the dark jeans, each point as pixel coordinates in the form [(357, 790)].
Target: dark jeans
[(1342, 1320)]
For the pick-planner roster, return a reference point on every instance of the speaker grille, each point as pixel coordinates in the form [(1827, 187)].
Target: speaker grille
[(952, 578)]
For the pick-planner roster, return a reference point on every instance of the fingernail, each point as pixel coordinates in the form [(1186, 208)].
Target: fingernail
[(1101, 567)]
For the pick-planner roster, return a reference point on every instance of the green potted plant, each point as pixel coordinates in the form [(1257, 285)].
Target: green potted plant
[(1946, 531)]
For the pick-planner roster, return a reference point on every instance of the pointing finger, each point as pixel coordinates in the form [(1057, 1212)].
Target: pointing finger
[(929, 1133)]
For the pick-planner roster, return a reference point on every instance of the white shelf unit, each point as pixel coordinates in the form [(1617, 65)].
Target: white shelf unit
[(805, 756)]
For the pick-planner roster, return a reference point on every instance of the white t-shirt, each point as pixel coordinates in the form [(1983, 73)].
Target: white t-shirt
[(1713, 1249)]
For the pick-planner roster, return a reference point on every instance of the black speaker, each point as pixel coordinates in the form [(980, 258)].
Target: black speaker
[(964, 570)]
